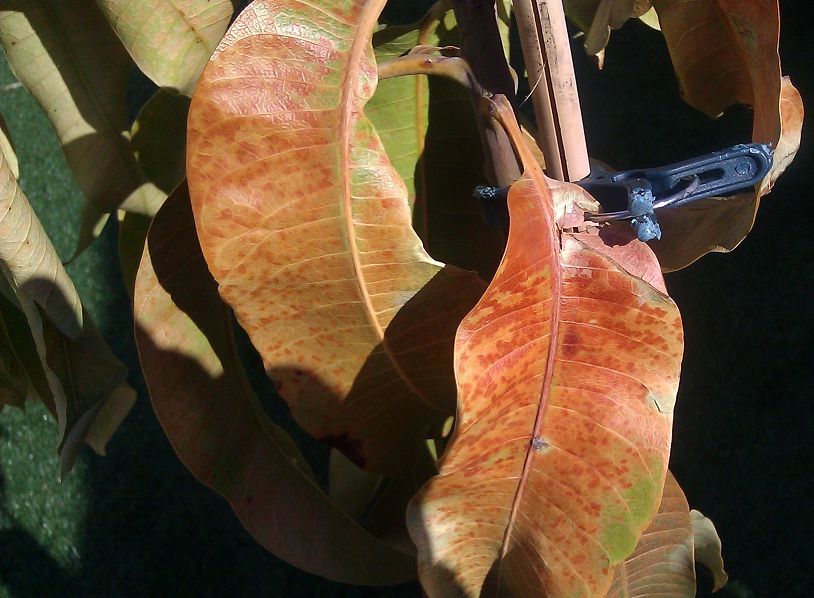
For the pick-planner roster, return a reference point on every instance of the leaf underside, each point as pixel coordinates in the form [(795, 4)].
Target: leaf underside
[(217, 425)]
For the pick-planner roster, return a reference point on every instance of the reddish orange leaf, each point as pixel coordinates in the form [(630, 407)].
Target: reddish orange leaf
[(567, 371), (217, 425), (306, 226)]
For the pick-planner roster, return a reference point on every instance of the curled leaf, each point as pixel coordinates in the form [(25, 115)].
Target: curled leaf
[(708, 548), (567, 371), (81, 372), (417, 119), (217, 425), (597, 17), (721, 223), (306, 226)]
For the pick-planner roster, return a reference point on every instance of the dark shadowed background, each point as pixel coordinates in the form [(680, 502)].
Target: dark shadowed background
[(135, 523)]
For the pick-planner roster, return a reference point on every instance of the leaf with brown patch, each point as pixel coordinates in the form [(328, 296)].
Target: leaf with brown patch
[(567, 374)]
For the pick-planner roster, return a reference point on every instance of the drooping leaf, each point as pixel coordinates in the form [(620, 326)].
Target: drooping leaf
[(306, 227), (8, 149), (707, 546), (721, 223), (82, 374), (419, 119), (725, 52), (567, 372), (170, 41), (217, 425), (66, 55), (662, 564), (597, 17)]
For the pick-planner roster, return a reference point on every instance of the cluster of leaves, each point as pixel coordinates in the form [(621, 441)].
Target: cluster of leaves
[(330, 213)]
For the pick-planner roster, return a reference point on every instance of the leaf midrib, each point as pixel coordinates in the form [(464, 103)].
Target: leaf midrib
[(346, 128)]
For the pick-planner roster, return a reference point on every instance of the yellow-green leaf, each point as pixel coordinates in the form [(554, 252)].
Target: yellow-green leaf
[(81, 371), (662, 564), (170, 41), (418, 119), (66, 55)]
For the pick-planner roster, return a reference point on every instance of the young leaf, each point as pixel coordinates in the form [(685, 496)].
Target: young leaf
[(567, 372), (73, 64), (306, 227), (82, 373), (170, 41), (217, 425)]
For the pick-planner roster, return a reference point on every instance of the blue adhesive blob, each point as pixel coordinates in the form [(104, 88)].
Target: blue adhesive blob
[(640, 206), (646, 227)]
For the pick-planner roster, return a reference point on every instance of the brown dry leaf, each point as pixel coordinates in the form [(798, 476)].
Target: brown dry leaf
[(567, 371), (597, 17), (217, 424)]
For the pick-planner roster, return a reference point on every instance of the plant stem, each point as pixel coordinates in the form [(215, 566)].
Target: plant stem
[(547, 54), (482, 49)]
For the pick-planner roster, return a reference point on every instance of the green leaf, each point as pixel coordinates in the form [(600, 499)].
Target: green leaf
[(170, 41), (418, 119), (66, 55), (217, 425), (662, 564), (159, 138)]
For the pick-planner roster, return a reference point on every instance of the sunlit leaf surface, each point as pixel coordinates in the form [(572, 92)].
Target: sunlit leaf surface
[(170, 41), (662, 564), (217, 424), (567, 371), (306, 226), (66, 55), (83, 377)]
